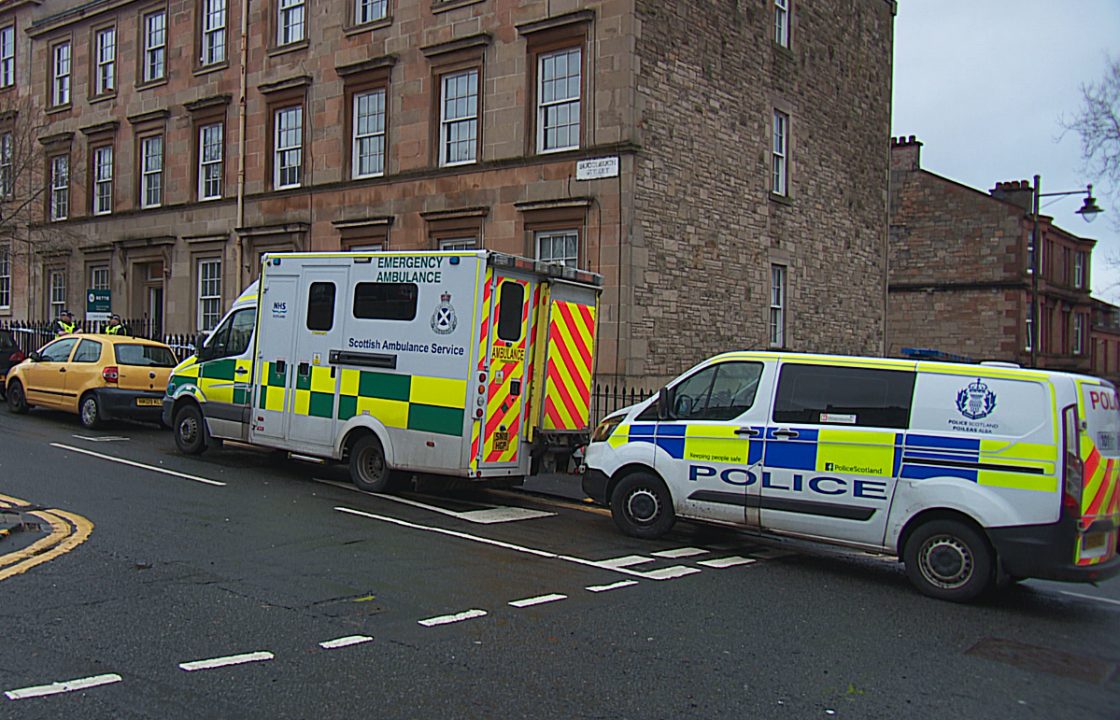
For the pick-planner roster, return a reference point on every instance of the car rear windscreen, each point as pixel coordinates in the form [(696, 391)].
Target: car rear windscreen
[(144, 356), (7, 340)]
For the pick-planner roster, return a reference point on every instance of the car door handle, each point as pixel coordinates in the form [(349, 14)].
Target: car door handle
[(748, 431), (786, 433)]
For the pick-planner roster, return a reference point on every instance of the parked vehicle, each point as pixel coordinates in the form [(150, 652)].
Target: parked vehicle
[(10, 355), (98, 377), (469, 364), (972, 474)]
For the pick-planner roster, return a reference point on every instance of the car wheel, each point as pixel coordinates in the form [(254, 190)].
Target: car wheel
[(190, 430), (949, 560), (89, 411), (17, 401), (642, 506), (368, 468)]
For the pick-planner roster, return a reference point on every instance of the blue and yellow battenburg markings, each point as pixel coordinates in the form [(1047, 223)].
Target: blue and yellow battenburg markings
[(876, 453)]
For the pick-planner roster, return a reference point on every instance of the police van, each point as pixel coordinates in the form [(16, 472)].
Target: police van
[(973, 475), (470, 364)]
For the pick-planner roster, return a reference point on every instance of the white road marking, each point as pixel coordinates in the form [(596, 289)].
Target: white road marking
[(458, 617), (1090, 597), (612, 586), (224, 661), (670, 572), (498, 543), (539, 600), (726, 562), (486, 516), (103, 438), (64, 686), (345, 641), (153, 468), (679, 553), (626, 561)]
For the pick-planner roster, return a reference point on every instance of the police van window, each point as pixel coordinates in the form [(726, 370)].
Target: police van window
[(320, 306), (510, 306), (385, 301), (826, 395), (88, 352), (718, 392), (232, 337)]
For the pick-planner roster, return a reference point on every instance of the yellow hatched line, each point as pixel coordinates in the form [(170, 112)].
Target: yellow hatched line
[(564, 374)]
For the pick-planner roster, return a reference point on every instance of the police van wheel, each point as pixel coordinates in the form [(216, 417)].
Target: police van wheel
[(368, 469), (949, 560), (642, 507), (190, 430)]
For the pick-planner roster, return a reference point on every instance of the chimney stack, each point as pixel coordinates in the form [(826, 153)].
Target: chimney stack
[(906, 153), (1017, 192)]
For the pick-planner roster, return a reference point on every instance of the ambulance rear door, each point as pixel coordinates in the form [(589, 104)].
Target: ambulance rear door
[(562, 400), (508, 295)]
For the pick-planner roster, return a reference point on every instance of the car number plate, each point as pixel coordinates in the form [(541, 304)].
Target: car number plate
[(148, 402)]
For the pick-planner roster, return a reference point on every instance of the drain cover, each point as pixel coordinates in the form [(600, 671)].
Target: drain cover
[(1042, 659)]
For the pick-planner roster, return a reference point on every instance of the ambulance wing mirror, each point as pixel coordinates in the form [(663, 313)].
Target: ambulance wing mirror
[(663, 404), (200, 345)]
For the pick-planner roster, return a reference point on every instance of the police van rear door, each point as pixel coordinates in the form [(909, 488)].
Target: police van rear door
[(709, 448), (1100, 456), (832, 449)]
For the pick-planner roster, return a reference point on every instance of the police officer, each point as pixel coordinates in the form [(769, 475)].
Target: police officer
[(115, 327), (65, 324)]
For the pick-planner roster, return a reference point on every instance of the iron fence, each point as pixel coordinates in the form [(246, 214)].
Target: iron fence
[(605, 399), (34, 334)]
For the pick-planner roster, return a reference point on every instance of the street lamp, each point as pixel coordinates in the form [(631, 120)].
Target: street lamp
[(1088, 212)]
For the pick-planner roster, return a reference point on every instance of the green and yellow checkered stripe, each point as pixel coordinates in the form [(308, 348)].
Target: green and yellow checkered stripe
[(217, 379), (411, 402), (314, 392)]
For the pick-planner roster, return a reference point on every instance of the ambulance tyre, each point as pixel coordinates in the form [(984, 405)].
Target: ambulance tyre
[(642, 507), (368, 469), (949, 560), (190, 430)]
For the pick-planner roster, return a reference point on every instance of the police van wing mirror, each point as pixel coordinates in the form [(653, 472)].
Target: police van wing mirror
[(663, 404)]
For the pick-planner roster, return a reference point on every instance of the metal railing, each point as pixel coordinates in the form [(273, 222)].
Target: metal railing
[(32, 335)]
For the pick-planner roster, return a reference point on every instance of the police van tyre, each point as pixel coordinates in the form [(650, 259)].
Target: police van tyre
[(368, 469), (190, 430), (89, 411), (948, 560), (642, 507), (17, 401)]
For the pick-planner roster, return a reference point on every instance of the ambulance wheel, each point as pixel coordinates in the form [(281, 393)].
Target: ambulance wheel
[(368, 468), (17, 401), (642, 507), (949, 560), (190, 430)]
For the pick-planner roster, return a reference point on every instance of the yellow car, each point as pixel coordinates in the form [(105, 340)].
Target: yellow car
[(99, 377)]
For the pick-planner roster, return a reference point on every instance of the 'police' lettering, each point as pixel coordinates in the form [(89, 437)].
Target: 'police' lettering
[(695, 472), (869, 489), (815, 486), (730, 474)]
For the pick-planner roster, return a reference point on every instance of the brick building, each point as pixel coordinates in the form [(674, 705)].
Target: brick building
[(741, 206), (960, 271), (1105, 336)]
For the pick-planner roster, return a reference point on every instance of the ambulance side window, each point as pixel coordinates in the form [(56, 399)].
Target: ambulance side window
[(718, 392), (510, 305), (320, 306), (824, 395), (232, 337), (385, 301)]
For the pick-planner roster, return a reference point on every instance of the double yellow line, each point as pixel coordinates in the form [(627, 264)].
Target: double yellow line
[(68, 531)]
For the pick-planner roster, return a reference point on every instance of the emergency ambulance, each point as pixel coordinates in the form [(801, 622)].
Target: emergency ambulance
[(973, 475), (470, 364)]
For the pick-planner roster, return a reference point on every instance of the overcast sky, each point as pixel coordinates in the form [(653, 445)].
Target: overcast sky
[(983, 84)]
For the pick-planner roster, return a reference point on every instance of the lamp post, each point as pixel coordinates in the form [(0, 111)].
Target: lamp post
[(1088, 212)]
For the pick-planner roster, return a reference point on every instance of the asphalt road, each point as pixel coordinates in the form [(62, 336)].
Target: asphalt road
[(213, 587)]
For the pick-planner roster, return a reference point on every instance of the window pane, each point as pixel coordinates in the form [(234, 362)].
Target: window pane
[(510, 311), (320, 306), (385, 301), (849, 396), (720, 392), (89, 351)]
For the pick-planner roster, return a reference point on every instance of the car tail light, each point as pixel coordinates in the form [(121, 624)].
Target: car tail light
[(16, 357), (1073, 468), (110, 374)]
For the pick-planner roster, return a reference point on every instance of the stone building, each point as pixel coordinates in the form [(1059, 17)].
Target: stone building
[(960, 271), (1105, 336), (734, 154)]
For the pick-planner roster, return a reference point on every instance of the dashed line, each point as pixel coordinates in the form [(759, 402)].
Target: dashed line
[(680, 553), (612, 586), (726, 562), (624, 562), (345, 641), (224, 661), (448, 619), (670, 573), (131, 463), (64, 686), (539, 600), (1090, 597)]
